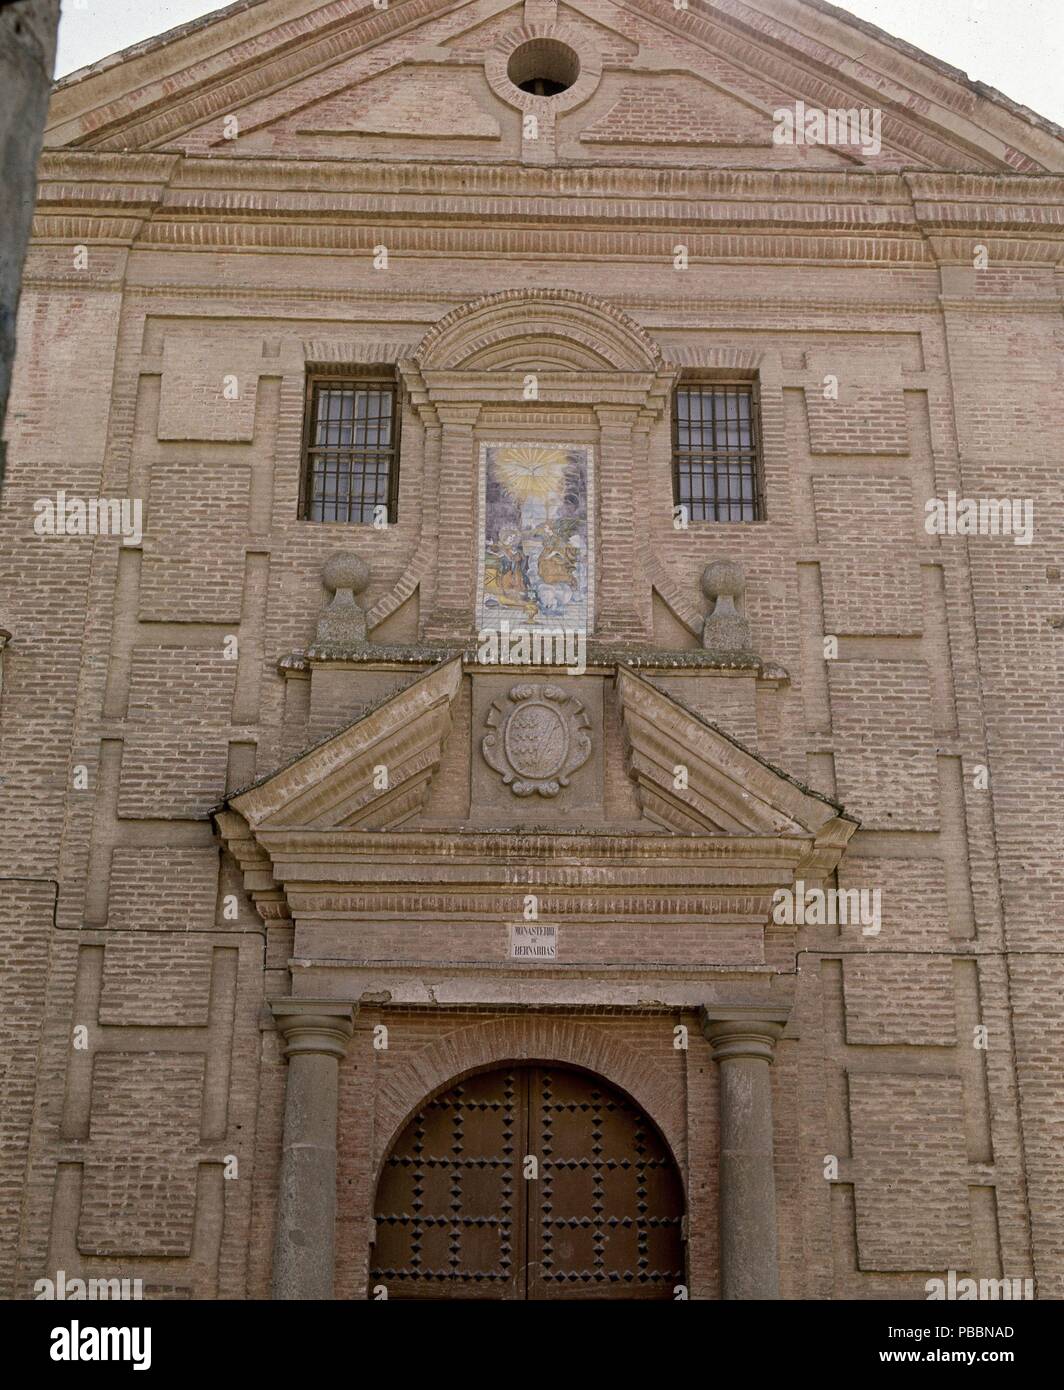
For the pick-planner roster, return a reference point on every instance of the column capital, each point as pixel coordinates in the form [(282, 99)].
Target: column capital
[(744, 1032), (457, 416), (322, 1026), (617, 417)]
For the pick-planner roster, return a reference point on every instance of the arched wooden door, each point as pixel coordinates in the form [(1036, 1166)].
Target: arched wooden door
[(529, 1182)]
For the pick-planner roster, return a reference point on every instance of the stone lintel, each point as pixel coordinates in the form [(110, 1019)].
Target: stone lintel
[(715, 990)]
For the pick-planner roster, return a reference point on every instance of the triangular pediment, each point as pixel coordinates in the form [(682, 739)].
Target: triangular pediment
[(373, 775), (422, 79), (693, 778)]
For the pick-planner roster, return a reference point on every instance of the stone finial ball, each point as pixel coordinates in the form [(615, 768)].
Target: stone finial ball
[(723, 578), (345, 570)]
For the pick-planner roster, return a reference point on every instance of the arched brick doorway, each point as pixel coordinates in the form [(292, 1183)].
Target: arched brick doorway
[(461, 1213)]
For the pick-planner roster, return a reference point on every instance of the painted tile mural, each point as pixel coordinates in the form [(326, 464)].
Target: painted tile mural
[(537, 545)]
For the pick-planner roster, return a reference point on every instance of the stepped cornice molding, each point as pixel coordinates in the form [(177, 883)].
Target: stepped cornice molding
[(495, 849), (281, 173), (198, 204), (822, 246), (683, 311), (332, 876)]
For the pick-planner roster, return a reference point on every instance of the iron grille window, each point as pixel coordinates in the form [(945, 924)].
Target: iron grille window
[(350, 457), (716, 453)]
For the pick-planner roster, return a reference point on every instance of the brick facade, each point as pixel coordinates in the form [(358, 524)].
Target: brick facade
[(188, 826)]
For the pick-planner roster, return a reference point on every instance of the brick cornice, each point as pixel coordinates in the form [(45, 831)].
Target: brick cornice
[(498, 850), (483, 876), (634, 213), (434, 179)]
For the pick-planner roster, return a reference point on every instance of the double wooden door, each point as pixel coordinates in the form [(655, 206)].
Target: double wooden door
[(529, 1182)]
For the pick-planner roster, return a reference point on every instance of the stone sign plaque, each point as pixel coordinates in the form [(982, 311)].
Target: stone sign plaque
[(533, 941)]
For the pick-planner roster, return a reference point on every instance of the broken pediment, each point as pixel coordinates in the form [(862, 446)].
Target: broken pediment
[(373, 775), (298, 78), (695, 779), (325, 836)]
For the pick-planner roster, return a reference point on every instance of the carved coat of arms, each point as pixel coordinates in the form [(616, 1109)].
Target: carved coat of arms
[(538, 738)]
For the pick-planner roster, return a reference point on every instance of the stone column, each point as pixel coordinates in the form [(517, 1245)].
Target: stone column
[(316, 1034), (744, 1044)]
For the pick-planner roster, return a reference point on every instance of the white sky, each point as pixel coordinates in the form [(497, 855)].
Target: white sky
[(1016, 46)]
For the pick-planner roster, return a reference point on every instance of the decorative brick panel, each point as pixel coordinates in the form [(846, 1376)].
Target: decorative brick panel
[(175, 775), (908, 1153), (655, 113), (864, 420), (885, 756), (140, 1190), (899, 999), (208, 391), (162, 889), (914, 904), (869, 572), (153, 982)]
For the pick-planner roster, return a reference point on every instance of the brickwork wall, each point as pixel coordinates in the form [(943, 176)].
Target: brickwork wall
[(876, 714), (925, 1058)]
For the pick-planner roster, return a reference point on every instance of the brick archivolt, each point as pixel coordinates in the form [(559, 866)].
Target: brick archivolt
[(483, 328), (531, 1038)]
